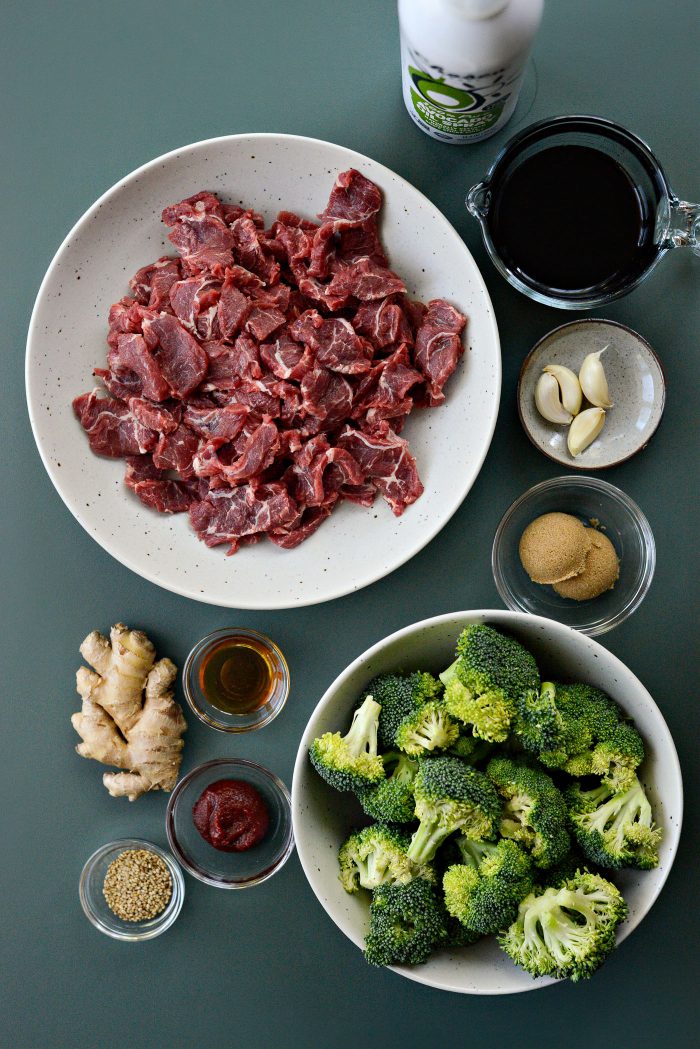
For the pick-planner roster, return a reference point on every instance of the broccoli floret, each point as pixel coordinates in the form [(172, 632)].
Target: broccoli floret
[(485, 894), (400, 695), (470, 749), (484, 683), (376, 856), (458, 935), (614, 829), (428, 728), (451, 796), (392, 801), (538, 724), (567, 931), (351, 762), (579, 729), (534, 813), (407, 922)]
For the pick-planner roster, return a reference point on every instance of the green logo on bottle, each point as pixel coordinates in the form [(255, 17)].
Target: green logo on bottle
[(452, 110)]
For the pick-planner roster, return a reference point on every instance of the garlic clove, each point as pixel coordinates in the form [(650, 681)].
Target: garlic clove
[(593, 381), (569, 385), (548, 402), (584, 429)]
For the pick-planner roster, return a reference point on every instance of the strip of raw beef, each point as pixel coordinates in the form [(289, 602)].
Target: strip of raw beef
[(175, 451), (182, 360), (354, 242), (250, 252), (439, 346), (233, 308), (309, 521), (226, 422), (353, 198), (123, 388), (385, 459), (383, 323), (228, 514), (151, 284), (132, 355), (111, 428), (263, 321), (334, 341), (364, 280), (258, 453), (199, 233), (157, 491), (286, 358), (156, 416), (386, 395), (194, 302), (326, 396), (229, 365)]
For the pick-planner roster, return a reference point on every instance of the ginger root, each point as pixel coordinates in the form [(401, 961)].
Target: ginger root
[(129, 718)]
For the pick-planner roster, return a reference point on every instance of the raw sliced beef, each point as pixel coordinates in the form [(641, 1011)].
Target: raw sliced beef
[(386, 460), (263, 376), (439, 345)]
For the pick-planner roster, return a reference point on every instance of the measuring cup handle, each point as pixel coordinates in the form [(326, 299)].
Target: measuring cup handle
[(684, 225)]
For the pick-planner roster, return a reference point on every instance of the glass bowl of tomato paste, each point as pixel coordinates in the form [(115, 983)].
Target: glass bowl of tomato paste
[(229, 823)]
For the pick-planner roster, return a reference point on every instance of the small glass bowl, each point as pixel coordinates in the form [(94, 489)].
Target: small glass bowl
[(95, 906), (219, 719), (230, 870), (591, 500)]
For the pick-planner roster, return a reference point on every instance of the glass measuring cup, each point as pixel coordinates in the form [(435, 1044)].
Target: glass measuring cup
[(665, 221)]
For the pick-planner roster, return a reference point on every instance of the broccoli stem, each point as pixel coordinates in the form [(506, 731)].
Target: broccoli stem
[(427, 840), (362, 736)]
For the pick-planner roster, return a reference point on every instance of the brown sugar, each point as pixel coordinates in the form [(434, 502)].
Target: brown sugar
[(554, 547), (601, 571)]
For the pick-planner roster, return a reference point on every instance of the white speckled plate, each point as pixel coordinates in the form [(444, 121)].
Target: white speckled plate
[(323, 818), (121, 232), (635, 380)]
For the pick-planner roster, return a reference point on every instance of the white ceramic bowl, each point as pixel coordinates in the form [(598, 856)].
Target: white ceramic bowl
[(322, 818), (635, 380), (121, 232)]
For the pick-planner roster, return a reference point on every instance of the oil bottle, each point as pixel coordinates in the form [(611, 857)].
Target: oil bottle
[(463, 63)]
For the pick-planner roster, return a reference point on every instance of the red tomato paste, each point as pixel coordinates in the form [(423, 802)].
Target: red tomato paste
[(231, 815)]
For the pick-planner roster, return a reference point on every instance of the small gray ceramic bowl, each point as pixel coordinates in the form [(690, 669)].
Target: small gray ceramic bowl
[(636, 383)]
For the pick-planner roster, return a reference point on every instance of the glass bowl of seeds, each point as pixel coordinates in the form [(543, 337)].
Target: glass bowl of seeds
[(131, 889)]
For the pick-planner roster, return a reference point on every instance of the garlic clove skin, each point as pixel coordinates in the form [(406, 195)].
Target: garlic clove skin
[(548, 402), (584, 430), (593, 382), (569, 386)]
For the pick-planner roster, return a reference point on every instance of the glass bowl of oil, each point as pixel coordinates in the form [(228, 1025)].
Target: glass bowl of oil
[(236, 680)]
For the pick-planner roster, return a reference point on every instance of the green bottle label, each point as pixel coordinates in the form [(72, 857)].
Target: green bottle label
[(451, 110)]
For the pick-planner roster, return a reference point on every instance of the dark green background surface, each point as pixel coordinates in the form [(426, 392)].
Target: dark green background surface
[(90, 91)]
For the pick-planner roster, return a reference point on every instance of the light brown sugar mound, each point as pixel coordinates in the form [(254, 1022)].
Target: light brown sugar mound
[(554, 547), (601, 571)]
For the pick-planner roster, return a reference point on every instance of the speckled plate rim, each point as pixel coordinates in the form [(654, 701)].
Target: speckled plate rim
[(453, 498), (502, 619), (585, 467)]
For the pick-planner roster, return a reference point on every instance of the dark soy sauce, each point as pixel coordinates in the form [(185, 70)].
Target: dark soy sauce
[(570, 218)]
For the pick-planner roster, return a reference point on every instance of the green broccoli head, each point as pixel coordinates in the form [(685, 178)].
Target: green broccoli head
[(483, 685), (458, 935), (579, 729), (538, 724), (407, 922), (351, 762), (485, 894), (567, 931), (376, 856), (614, 828), (451, 796), (392, 801), (534, 813), (470, 749), (429, 727), (400, 695)]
